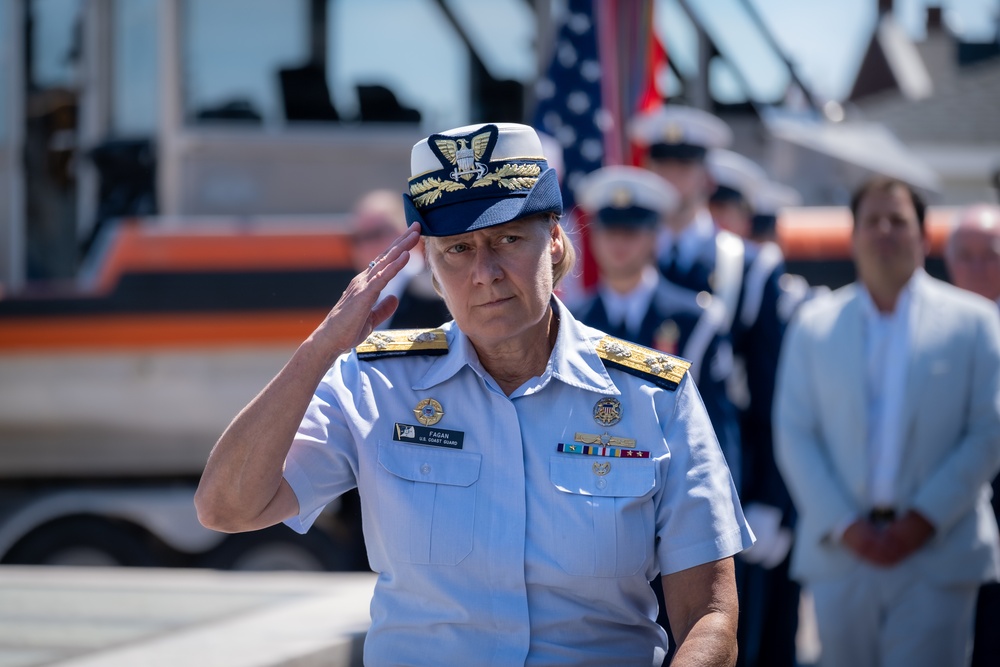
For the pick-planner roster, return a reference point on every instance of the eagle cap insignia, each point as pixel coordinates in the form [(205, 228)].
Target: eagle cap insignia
[(673, 133), (466, 153), (621, 198)]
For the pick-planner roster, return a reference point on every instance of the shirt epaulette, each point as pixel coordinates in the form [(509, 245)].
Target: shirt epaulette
[(403, 343), (661, 369)]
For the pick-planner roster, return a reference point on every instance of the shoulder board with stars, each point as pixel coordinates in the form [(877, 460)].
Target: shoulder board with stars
[(661, 369), (403, 343)]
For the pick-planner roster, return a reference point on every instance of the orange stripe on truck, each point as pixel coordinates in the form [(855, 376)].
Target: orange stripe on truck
[(64, 333)]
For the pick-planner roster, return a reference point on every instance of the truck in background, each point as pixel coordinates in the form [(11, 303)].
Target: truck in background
[(112, 397)]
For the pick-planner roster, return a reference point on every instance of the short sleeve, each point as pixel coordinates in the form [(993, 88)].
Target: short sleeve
[(321, 463), (698, 516)]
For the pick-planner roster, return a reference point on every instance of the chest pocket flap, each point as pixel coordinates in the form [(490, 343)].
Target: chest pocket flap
[(430, 465), (623, 479)]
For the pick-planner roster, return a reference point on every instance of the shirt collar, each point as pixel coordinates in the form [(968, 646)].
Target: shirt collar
[(902, 302), (574, 360), (631, 307), (690, 240)]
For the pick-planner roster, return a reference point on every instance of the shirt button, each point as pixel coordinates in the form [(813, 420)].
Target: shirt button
[(602, 483), (425, 469)]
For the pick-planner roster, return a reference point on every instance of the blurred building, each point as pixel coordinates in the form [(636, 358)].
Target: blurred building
[(940, 96)]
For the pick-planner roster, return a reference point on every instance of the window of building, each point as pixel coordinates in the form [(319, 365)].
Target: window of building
[(233, 52), (136, 75)]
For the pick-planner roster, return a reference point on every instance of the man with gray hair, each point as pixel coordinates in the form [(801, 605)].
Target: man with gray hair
[(973, 259), (973, 251)]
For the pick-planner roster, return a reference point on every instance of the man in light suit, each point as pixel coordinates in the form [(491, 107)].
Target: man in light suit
[(887, 422)]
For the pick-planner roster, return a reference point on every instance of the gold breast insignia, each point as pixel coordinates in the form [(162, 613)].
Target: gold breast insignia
[(428, 412), (608, 411), (605, 440)]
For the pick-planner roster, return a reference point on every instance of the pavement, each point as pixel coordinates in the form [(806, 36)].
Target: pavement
[(143, 617), (122, 617)]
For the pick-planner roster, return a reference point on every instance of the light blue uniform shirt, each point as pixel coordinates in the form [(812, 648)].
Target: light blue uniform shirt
[(506, 551)]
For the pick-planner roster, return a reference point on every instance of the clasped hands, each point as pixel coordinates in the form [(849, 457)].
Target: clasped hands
[(889, 544)]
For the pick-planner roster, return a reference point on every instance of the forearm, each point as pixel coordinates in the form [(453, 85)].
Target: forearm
[(241, 488), (711, 642), (703, 609), (244, 469)]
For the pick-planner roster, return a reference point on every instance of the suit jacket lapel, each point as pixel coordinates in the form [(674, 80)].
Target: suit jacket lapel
[(920, 366), (853, 365)]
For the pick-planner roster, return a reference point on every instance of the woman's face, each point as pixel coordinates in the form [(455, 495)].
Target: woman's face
[(622, 252), (497, 281)]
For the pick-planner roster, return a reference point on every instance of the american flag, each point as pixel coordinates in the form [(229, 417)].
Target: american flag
[(603, 69), (569, 97)]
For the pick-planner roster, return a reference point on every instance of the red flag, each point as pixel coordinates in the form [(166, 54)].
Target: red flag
[(651, 97)]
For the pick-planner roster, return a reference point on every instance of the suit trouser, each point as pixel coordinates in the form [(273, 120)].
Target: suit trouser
[(891, 617)]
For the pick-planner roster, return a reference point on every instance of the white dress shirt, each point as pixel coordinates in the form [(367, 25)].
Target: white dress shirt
[(689, 242), (631, 307), (887, 346)]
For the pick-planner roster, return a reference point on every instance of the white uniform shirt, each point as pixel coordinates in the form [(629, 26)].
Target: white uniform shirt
[(631, 307), (506, 551), (690, 242)]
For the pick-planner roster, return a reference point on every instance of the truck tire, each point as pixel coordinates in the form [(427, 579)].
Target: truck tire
[(277, 548), (84, 541)]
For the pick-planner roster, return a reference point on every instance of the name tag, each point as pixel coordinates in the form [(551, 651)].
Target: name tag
[(428, 435)]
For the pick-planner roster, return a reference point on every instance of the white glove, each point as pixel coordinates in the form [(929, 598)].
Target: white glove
[(773, 541)]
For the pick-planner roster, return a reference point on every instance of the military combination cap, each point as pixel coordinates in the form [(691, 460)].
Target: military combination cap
[(737, 178), (479, 176), (679, 133), (771, 197), (622, 196)]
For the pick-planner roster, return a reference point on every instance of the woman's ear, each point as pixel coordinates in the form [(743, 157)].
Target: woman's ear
[(558, 242)]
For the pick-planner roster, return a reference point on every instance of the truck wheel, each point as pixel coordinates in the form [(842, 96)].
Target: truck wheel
[(277, 548), (85, 541)]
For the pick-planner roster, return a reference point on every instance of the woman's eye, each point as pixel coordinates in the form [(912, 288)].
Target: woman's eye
[(508, 239), (457, 248)]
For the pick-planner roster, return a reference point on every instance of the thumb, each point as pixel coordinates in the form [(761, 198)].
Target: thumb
[(383, 310)]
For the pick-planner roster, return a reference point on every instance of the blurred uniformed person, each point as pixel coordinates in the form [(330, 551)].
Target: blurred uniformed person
[(743, 202), (738, 180), (695, 252), (632, 299), (378, 217), (771, 197)]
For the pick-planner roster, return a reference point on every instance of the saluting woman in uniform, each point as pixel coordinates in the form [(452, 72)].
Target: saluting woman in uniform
[(522, 476)]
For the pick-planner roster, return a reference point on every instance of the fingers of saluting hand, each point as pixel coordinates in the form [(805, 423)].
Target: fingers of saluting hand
[(388, 259), (359, 311)]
